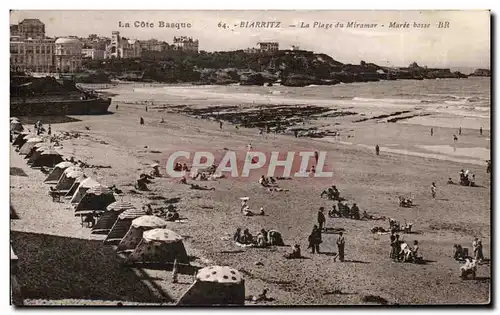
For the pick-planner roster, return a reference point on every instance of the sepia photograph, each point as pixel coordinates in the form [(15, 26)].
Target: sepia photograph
[(250, 158)]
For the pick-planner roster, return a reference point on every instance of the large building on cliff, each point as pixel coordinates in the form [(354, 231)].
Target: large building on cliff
[(186, 44)]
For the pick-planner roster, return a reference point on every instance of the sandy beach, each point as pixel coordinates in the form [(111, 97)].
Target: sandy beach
[(47, 236)]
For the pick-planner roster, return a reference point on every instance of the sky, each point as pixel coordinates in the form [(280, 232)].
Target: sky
[(465, 44)]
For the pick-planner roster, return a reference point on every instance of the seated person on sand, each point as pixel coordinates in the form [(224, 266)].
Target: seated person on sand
[(272, 180), (261, 211), (89, 219), (155, 172), (295, 252), (259, 298), (260, 240), (247, 212), (469, 269), (414, 255), (246, 238), (450, 181), (185, 167), (178, 167), (197, 187), (458, 252), (274, 238), (237, 236), (183, 180), (335, 193), (172, 216), (141, 184), (263, 181), (355, 212)]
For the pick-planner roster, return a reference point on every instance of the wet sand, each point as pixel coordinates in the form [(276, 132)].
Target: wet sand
[(373, 182)]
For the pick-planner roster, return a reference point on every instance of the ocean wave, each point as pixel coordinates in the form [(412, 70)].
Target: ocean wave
[(387, 100)]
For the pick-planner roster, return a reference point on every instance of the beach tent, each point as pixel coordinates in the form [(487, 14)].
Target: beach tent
[(78, 190), (36, 151), (137, 228), (16, 126), (108, 218), (215, 285), (48, 158), (20, 142), (68, 178), (30, 143), (56, 173), (122, 225), (96, 198), (20, 139), (159, 246)]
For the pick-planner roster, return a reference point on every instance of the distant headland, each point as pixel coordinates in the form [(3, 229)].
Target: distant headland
[(285, 67)]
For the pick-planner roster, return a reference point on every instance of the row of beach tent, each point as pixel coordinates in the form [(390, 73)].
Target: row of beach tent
[(142, 239)]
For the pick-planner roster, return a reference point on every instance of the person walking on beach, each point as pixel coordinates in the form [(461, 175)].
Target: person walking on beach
[(377, 150), (459, 131), (480, 131), (432, 132), (340, 246), (321, 219), (433, 190)]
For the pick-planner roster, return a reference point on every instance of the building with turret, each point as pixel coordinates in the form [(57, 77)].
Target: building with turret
[(121, 47)]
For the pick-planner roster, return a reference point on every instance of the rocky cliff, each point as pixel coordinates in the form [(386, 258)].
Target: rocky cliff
[(293, 68)]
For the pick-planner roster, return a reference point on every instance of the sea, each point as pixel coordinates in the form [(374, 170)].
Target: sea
[(446, 103)]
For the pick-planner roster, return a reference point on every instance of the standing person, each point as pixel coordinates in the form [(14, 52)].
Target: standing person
[(459, 131), (377, 149), (296, 133), (316, 156), (455, 138), (480, 131), (146, 107), (141, 121), (396, 248), (116, 106), (476, 248), (432, 131), (393, 239), (321, 219), (315, 240), (340, 246), (433, 190), (220, 124), (49, 131)]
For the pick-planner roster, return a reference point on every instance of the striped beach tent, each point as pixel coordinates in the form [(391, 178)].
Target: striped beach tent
[(56, 173), (68, 178), (137, 228), (47, 158), (30, 144), (22, 141), (122, 225), (108, 218), (79, 188), (96, 198), (159, 246)]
